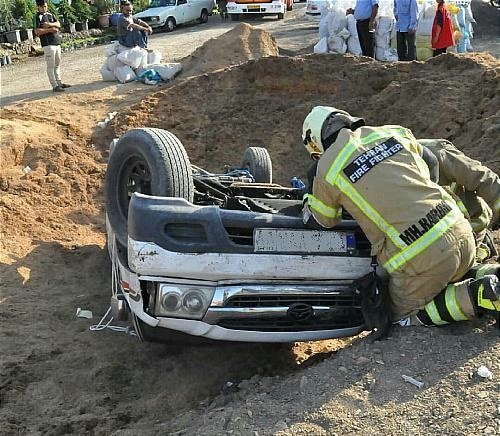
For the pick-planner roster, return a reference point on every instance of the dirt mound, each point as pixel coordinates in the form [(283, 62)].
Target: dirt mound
[(239, 45), (263, 103)]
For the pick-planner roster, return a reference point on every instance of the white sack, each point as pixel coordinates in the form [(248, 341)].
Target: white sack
[(321, 46), (154, 57), (337, 22), (424, 26), (167, 70), (111, 62), (386, 54), (351, 25), (134, 57), (336, 44), (111, 49), (107, 75), (125, 74), (323, 25), (353, 46)]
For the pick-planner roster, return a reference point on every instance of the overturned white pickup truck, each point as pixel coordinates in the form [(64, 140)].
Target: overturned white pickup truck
[(223, 256)]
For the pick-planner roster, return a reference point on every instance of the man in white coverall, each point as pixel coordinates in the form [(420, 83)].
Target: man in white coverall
[(417, 232)]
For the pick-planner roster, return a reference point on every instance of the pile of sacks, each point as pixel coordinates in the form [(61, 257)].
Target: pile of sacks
[(126, 64), (337, 33)]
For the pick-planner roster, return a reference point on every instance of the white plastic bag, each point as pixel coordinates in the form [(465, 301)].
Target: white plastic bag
[(111, 62), (353, 46), (167, 71), (134, 57), (323, 25), (337, 22), (125, 74), (154, 57), (107, 75), (321, 46), (111, 49), (336, 44)]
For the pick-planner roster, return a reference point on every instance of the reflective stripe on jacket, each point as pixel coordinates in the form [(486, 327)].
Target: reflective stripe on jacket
[(378, 175)]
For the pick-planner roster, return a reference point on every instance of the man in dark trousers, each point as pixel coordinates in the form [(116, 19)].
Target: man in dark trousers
[(365, 12), (406, 14), (131, 31), (47, 29)]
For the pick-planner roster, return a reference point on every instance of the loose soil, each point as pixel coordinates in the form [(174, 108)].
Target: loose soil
[(59, 378)]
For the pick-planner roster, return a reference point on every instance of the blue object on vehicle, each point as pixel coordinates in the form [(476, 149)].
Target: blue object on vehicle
[(113, 18), (296, 182)]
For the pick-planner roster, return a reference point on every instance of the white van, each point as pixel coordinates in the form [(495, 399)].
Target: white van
[(168, 14)]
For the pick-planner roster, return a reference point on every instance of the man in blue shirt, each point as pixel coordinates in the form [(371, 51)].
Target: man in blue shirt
[(365, 12), (406, 14)]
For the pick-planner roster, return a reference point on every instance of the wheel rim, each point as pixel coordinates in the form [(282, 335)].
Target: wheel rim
[(170, 25), (135, 177)]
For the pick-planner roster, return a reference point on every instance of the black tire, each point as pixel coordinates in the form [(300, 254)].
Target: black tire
[(203, 16), (235, 17), (149, 161), (259, 164), (281, 16), (170, 24)]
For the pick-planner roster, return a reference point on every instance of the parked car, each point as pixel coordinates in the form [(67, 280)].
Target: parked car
[(168, 14), (315, 9), (223, 256)]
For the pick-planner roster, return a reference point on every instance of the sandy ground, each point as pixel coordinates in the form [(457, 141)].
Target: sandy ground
[(59, 378)]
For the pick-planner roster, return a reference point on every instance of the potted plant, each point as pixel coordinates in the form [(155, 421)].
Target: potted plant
[(24, 12), (67, 12), (104, 8), (83, 13)]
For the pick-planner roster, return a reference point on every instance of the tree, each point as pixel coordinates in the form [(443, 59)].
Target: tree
[(24, 12), (67, 12), (82, 10)]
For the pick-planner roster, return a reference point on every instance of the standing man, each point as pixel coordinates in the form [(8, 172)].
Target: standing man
[(365, 12), (131, 31), (47, 28), (417, 232), (406, 14)]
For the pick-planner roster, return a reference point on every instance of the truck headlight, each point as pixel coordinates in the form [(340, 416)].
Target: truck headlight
[(181, 301)]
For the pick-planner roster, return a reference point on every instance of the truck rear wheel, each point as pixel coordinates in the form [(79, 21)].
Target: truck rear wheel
[(148, 161), (258, 162), (204, 16), (281, 16), (235, 17)]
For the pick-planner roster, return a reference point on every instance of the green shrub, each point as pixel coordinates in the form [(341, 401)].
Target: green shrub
[(82, 10), (24, 12), (67, 12)]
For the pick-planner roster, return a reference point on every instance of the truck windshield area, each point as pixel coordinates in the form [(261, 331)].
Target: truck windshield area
[(161, 3)]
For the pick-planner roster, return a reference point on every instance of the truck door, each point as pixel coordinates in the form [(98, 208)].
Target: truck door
[(182, 11)]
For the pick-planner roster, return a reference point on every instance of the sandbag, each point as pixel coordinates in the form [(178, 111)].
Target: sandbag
[(321, 46), (424, 27), (337, 22), (337, 44), (154, 57), (424, 53), (125, 74), (168, 70), (386, 54), (134, 57), (111, 49), (111, 62), (107, 75), (353, 46)]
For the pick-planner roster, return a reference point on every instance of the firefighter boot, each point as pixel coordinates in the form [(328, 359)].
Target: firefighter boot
[(485, 294)]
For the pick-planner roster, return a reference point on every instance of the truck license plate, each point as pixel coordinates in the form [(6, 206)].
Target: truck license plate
[(302, 241), (253, 7)]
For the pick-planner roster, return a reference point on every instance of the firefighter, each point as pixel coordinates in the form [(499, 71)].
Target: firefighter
[(417, 232), (477, 186)]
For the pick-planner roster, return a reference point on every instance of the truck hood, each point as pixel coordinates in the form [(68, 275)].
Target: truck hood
[(153, 12)]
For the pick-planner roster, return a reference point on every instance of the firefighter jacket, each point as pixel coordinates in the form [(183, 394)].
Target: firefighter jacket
[(379, 176), (477, 186)]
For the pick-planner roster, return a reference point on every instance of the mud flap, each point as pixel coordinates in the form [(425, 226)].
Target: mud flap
[(375, 304)]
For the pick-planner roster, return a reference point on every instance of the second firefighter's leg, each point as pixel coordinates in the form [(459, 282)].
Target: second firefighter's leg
[(462, 301)]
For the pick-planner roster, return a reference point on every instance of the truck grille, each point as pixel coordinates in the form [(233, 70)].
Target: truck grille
[(325, 300), (340, 319)]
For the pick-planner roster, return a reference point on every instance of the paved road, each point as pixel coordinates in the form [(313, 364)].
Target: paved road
[(28, 79)]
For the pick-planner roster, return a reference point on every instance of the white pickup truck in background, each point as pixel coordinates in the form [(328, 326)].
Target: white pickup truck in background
[(168, 14)]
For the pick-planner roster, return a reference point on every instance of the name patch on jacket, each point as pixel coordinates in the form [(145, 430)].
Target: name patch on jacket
[(415, 231), (371, 158)]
